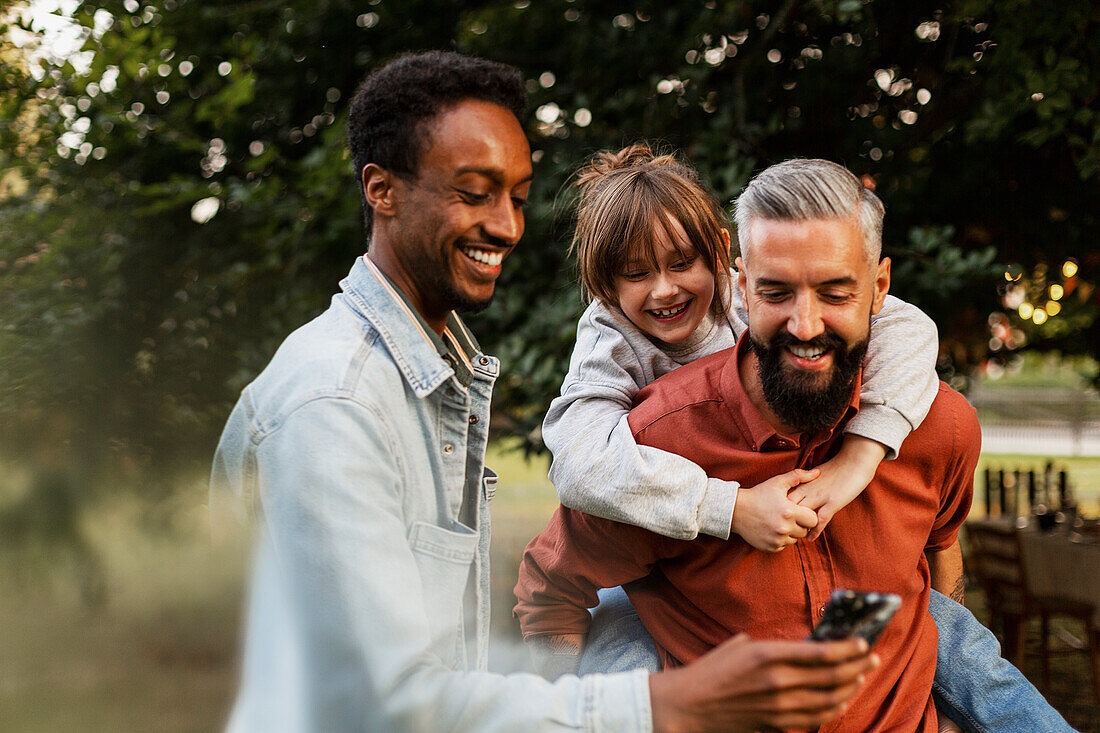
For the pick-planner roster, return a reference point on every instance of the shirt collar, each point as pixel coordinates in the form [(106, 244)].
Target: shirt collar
[(752, 422), (417, 350), (456, 345)]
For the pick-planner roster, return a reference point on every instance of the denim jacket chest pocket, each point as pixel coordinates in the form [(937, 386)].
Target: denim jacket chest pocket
[(444, 557)]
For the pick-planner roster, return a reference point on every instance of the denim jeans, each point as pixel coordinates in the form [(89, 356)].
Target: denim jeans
[(616, 640), (977, 687), (974, 685)]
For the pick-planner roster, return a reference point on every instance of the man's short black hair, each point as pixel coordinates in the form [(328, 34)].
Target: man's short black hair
[(387, 121)]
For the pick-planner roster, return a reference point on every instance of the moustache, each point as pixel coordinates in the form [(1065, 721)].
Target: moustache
[(487, 240), (827, 340)]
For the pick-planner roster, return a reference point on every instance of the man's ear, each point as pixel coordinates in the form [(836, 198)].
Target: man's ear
[(742, 279), (378, 189), (882, 284)]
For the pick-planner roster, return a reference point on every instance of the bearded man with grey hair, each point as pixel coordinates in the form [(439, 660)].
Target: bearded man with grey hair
[(811, 276)]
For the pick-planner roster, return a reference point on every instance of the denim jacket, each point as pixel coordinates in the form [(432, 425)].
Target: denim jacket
[(361, 453)]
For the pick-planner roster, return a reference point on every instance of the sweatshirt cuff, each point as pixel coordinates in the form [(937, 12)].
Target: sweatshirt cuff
[(882, 424), (716, 509), (617, 702)]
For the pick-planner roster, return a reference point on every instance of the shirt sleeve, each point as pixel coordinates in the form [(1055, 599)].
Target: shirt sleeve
[(331, 483), (598, 468), (957, 490), (899, 375), (575, 556)]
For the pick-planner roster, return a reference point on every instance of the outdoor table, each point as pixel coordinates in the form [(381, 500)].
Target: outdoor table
[(1063, 564), (1059, 562)]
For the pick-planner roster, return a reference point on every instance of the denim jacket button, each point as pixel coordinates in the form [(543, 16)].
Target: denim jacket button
[(483, 361), (473, 419), (448, 449)]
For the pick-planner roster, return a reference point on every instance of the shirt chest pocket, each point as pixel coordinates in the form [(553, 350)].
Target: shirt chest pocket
[(444, 558)]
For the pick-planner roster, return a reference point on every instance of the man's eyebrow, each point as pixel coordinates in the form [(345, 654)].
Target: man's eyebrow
[(492, 174), (847, 280)]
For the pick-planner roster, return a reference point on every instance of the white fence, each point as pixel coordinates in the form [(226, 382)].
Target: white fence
[(1039, 421)]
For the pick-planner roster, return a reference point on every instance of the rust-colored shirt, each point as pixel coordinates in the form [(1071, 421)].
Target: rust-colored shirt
[(692, 595)]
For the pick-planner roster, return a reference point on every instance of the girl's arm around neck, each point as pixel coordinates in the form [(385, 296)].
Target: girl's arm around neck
[(899, 375)]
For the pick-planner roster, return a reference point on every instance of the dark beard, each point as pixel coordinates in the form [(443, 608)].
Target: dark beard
[(796, 396), (460, 303), (440, 288)]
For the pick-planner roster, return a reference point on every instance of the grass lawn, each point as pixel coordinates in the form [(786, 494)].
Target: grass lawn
[(1083, 473), (160, 652)]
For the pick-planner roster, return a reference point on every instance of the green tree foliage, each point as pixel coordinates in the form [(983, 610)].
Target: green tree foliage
[(174, 203)]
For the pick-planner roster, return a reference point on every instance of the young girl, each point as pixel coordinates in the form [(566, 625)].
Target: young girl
[(653, 250)]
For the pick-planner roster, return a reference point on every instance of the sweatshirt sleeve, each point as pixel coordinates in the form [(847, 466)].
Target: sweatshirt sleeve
[(736, 314), (899, 375), (598, 468)]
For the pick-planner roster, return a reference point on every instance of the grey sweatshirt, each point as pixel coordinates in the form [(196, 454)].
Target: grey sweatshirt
[(599, 469)]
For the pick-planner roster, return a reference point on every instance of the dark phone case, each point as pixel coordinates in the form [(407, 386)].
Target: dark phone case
[(853, 613)]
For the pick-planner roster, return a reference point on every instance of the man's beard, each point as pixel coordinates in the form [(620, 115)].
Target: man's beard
[(440, 287), (795, 395), (458, 302)]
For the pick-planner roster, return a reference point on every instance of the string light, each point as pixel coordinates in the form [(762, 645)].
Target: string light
[(1035, 301)]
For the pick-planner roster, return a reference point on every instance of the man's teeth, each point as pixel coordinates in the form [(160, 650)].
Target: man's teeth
[(669, 312), (808, 352), (492, 259)]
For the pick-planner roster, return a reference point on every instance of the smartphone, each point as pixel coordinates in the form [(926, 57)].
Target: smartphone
[(853, 613)]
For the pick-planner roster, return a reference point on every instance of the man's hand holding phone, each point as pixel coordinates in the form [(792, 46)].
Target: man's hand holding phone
[(748, 685)]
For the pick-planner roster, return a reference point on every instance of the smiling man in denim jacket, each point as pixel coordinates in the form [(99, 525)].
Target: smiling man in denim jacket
[(361, 449)]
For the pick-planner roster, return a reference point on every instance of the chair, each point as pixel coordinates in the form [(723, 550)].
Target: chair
[(996, 560)]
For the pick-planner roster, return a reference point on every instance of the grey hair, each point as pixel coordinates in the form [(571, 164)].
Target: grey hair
[(804, 189)]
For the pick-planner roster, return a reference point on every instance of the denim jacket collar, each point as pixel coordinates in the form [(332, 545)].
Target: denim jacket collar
[(369, 294)]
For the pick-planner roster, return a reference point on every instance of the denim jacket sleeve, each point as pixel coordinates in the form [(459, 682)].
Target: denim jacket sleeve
[(598, 468), (899, 371), (355, 596)]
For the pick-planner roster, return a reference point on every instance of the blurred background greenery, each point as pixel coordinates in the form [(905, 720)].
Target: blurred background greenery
[(175, 197)]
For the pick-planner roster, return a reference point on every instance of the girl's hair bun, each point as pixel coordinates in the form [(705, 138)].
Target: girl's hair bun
[(636, 157)]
